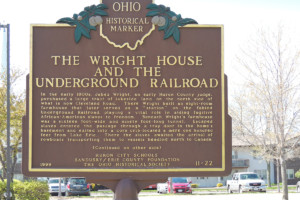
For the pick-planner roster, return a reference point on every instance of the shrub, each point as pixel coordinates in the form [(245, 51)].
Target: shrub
[(219, 185), (92, 186), (297, 174), (194, 185), (31, 190), (3, 187)]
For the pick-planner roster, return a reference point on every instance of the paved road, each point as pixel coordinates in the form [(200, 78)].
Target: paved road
[(249, 196)]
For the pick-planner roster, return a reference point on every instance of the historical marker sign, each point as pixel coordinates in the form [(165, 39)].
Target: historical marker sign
[(127, 97)]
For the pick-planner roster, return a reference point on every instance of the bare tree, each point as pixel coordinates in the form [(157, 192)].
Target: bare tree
[(251, 125), (266, 112)]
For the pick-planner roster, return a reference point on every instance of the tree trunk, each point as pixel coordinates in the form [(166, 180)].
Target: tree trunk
[(268, 173), (285, 194), (278, 175)]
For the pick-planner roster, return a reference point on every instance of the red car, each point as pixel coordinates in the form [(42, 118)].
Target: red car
[(153, 186), (180, 185)]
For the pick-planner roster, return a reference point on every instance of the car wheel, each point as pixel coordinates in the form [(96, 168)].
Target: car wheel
[(240, 189), (229, 190), (97, 187)]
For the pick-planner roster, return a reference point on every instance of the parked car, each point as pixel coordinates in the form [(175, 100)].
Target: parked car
[(77, 186), (180, 185), (151, 187), (53, 184), (298, 186), (246, 182), (42, 179), (162, 188)]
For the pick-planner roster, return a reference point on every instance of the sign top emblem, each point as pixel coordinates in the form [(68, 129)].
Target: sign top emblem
[(126, 24)]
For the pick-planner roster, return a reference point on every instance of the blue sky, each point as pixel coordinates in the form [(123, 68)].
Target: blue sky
[(240, 18)]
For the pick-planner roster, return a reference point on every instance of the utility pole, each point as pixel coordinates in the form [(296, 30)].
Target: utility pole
[(171, 185), (8, 157), (59, 187)]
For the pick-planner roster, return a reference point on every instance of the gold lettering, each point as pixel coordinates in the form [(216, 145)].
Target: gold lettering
[(159, 60), (66, 60), (117, 60), (98, 71), (199, 60), (126, 6), (148, 71), (76, 60), (105, 60), (55, 59), (184, 83), (94, 60), (180, 60), (213, 83)]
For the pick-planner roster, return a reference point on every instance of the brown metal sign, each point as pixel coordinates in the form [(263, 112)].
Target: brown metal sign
[(151, 108)]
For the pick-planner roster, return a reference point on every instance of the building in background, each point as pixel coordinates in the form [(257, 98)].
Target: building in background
[(243, 160)]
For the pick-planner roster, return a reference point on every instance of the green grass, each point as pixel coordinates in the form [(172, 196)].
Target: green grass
[(110, 191), (275, 187), (149, 190), (210, 189), (103, 191), (221, 189)]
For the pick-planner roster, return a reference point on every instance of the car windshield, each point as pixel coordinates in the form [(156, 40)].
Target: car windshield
[(249, 176), (179, 180), (78, 181), (55, 181)]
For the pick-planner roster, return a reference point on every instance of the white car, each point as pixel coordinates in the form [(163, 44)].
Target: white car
[(53, 184), (162, 187), (246, 182)]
